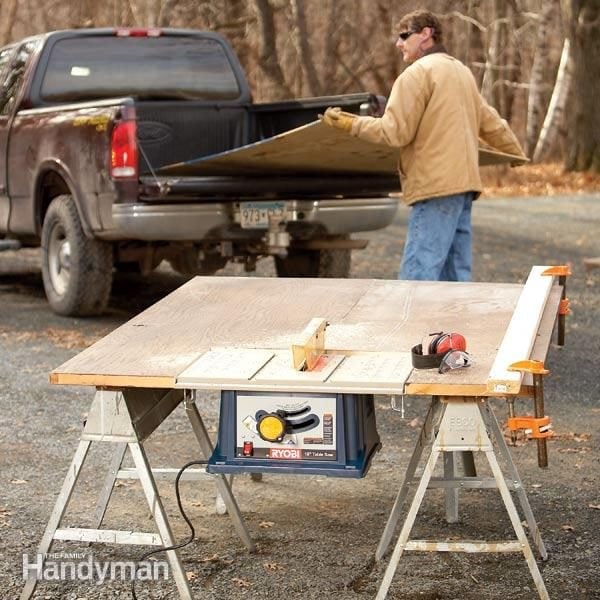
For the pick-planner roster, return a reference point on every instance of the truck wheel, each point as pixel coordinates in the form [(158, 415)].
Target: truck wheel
[(314, 263), (77, 270)]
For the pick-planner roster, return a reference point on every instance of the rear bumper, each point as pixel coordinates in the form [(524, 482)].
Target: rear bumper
[(195, 222)]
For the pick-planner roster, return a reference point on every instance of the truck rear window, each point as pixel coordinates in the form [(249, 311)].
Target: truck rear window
[(169, 67)]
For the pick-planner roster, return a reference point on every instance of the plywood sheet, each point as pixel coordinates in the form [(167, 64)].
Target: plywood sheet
[(265, 313), (208, 312), (313, 148)]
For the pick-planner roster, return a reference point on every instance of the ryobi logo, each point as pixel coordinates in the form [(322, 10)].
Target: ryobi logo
[(286, 453)]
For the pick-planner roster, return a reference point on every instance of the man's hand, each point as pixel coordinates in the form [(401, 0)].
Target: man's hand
[(336, 117)]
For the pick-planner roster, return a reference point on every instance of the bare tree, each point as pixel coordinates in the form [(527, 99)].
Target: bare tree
[(556, 109), (8, 12), (314, 47), (268, 58), (304, 49), (537, 83), (584, 130)]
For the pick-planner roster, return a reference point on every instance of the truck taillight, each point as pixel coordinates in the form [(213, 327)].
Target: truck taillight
[(124, 150)]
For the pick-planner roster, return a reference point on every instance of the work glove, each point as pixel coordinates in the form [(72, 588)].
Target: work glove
[(336, 117)]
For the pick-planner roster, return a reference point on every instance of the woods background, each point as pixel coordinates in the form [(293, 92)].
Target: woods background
[(536, 61)]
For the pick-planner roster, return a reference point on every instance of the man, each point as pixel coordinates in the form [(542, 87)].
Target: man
[(434, 116)]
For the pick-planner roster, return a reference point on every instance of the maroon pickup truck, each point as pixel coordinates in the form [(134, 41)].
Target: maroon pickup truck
[(87, 119)]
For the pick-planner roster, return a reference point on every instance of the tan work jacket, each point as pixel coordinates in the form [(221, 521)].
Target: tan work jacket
[(434, 116)]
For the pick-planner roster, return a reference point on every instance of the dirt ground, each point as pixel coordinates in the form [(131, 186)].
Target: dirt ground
[(315, 536)]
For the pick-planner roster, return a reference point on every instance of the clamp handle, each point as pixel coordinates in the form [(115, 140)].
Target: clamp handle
[(535, 428)]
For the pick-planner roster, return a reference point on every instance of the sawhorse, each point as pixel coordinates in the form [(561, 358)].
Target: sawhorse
[(464, 424), (126, 418)]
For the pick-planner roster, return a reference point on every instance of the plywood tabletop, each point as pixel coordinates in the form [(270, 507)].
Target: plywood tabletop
[(365, 315)]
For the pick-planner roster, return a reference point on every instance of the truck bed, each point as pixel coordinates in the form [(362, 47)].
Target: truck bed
[(172, 131)]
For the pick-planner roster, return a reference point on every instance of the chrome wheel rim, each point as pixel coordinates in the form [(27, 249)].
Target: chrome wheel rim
[(59, 260)]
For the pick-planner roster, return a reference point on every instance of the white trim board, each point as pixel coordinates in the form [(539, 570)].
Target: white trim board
[(520, 334)]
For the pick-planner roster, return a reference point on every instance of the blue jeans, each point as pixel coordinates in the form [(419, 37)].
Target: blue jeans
[(438, 243)]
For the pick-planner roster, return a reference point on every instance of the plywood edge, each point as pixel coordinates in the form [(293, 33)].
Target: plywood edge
[(445, 389), (116, 381), (521, 333)]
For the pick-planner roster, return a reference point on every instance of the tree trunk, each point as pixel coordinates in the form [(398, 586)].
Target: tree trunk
[(8, 12), (535, 104), (331, 45), (584, 130), (268, 57), (556, 109), (304, 49), (489, 89)]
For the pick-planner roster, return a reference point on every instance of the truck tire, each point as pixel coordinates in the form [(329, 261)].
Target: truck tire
[(314, 263), (77, 270)]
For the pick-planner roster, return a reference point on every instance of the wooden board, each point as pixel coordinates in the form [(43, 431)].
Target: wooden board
[(365, 316), (313, 148), (520, 334)]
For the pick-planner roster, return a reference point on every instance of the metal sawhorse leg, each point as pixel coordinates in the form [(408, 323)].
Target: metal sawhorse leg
[(462, 429), (126, 419)]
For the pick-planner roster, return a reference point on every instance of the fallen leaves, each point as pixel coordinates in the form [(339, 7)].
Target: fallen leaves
[(594, 506), (266, 524), (5, 515), (572, 436), (241, 583), (273, 566), (580, 450), (63, 338), (546, 179), (215, 558)]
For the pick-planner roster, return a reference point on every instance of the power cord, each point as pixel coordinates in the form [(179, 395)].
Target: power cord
[(185, 518)]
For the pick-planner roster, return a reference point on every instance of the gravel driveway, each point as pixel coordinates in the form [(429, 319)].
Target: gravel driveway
[(315, 536)]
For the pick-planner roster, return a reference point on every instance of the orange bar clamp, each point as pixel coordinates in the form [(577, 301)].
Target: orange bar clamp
[(540, 424)]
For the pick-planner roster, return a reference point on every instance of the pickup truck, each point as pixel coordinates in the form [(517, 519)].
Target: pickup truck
[(87, 119)]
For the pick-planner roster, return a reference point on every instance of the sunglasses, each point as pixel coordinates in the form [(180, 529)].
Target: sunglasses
[(404, 35), (455, 359)]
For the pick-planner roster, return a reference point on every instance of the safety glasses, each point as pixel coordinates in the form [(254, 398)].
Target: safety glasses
[(404, 35), (455, 359)]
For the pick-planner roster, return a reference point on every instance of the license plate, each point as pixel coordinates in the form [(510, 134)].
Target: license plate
[(256, 215)]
